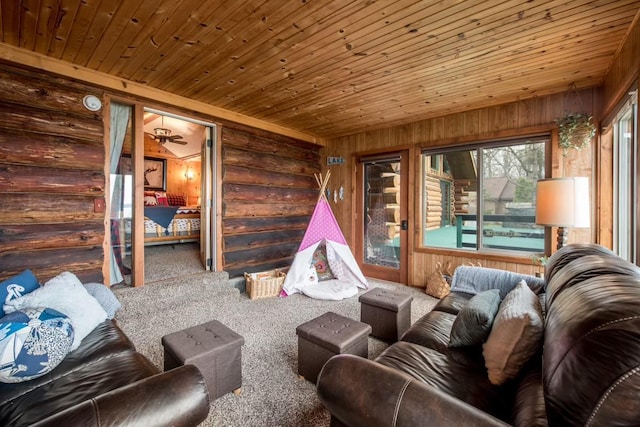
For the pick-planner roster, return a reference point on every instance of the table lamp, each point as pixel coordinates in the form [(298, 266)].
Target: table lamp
[(563, 203)]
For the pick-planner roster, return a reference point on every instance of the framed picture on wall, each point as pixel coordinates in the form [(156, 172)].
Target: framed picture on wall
[(155, 174), (155, 171)]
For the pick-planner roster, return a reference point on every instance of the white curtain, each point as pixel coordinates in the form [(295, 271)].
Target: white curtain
[(119, 121)]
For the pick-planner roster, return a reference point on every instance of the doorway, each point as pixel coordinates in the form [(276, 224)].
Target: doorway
[(172, 159), (382, 212)]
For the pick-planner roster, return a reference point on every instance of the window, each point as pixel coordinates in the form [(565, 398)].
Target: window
[(625, 152), (483, 198)]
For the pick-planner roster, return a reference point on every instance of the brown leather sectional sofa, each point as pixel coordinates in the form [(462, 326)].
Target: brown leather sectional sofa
[(587, 371), (106, 382)]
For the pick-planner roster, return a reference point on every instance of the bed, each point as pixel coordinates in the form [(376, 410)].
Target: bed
[(167, 220), (184, 226)]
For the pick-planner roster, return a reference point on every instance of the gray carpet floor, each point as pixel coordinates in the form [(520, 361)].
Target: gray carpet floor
[(272, 392)]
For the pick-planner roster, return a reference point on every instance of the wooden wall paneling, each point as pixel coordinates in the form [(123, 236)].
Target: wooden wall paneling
[(604, 190), (624, 71), (47, 218), (267, 195), (500, 121)]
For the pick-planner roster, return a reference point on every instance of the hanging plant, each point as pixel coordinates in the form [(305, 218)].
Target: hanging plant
[(575, 130)]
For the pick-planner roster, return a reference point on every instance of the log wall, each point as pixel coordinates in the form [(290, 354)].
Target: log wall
[(47, 219), (51, 172), (268, 195)]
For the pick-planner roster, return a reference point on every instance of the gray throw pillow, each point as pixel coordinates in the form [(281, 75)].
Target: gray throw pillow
[(473, 323), (105, 298), (515, 336)]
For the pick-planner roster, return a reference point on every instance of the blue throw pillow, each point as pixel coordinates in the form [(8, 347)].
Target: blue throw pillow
[(33, 341), (16, 287)]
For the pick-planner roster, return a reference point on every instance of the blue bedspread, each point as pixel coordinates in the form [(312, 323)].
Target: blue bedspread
[(162, 215)]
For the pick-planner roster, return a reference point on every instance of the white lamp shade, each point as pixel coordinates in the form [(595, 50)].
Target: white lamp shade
[(563, 202)]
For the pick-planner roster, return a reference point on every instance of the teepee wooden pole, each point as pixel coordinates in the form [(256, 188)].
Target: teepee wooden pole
[(322, 182)]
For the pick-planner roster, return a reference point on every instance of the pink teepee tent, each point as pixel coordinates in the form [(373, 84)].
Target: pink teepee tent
[(323, 228)]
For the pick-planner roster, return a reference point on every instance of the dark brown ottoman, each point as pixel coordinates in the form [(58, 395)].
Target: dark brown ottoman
[(214, 349), (324, 337), (387, 311)]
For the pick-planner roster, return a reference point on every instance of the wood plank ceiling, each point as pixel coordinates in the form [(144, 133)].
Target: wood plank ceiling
[(331, 68)]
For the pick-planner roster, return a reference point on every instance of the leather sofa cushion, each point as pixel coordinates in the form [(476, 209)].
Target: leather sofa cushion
[(87, 381), (529, 408), (459, 377), (433, 330), (453, 302), (103, 342)]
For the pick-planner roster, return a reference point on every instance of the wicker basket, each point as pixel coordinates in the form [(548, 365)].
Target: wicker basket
[(264, 284)]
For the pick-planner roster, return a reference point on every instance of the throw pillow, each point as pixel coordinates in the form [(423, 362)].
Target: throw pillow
[(516, 334), (150, 198), (33, 341), (16, 286), (161, 197), (105, 297), (150, 201), (321, 263), (65, 294), (176, 199), (474, 320)]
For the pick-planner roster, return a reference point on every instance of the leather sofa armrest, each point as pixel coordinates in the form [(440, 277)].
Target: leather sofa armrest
[(177, 397), (362, 393)]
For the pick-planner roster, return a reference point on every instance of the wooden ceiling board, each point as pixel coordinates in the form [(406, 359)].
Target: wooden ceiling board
[(117, 40), (46, 20), (268, 58), (331, 68), (209, 41), (344, 62), (238, 56), (158, 49), (314, 51), (152, 33), (479, 51), (471, 79), (589, 53), (64, 21)]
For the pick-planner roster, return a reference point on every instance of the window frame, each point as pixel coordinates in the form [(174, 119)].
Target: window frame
[(629, 184), (478, 145)]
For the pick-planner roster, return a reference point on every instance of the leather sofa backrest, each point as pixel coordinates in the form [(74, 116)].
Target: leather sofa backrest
[(591, 353)]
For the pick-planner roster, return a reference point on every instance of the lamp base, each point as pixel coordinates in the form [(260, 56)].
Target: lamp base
[(563, 234)]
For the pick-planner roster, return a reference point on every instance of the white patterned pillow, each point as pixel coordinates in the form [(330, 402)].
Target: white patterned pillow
[(33, 341), (66, 294)]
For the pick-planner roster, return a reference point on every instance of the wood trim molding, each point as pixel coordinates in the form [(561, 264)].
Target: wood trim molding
[(107, 81)]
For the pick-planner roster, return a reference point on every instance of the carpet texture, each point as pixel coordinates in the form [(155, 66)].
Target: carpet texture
[(272, 393)]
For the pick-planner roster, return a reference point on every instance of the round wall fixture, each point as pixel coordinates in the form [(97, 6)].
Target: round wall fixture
[(92, 102)]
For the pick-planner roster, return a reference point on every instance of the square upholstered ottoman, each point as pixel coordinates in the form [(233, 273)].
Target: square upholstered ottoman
[(387, 311), (214, 349), (324, 337)]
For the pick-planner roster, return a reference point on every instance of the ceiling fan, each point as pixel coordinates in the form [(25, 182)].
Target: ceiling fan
[(163, 135)]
